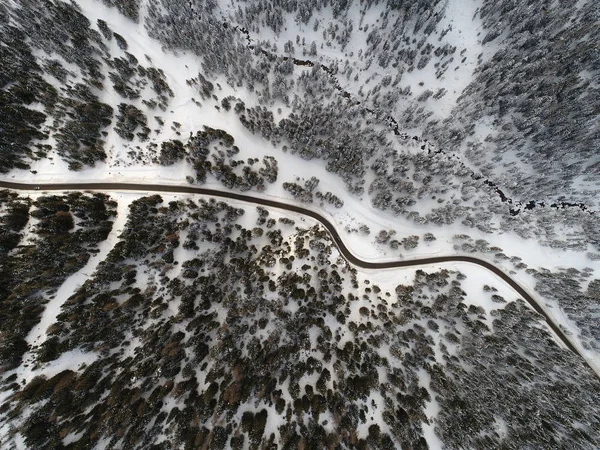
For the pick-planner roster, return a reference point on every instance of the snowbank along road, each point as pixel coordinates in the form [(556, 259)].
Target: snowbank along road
[(536, 304)]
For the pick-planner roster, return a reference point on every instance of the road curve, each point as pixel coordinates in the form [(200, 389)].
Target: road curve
[(328, 225)]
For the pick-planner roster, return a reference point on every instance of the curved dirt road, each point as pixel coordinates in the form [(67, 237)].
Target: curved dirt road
[(298, 209)]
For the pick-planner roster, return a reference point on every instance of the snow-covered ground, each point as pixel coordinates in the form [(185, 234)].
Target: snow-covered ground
[(356, 211), (460, 19), (37, 336)]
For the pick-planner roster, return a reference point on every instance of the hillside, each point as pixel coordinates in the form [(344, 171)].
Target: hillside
[(133, 319)]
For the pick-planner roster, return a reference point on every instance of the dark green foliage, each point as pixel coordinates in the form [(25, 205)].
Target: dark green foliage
[(13, 221), (20, 126), (128, 121), (233, 174), (205, 87), (543, 104), (123, 78), (565, 287), (41, 432), (122, 43), (49, 350), (56, 252), (73, 114), (159, 83), (129, 8), (315, 132), (250, 331), (171, 152), (38, 20), (254, 425), (129, 79), (15, 56), (200, 141), (78, 136), (79, 140), (298, 192), (104, 29), (56, 69)]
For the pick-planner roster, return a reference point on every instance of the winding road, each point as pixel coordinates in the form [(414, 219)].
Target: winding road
[(328, 225)]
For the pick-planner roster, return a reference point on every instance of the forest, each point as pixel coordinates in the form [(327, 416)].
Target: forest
[(203, 332), (419, 129)]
